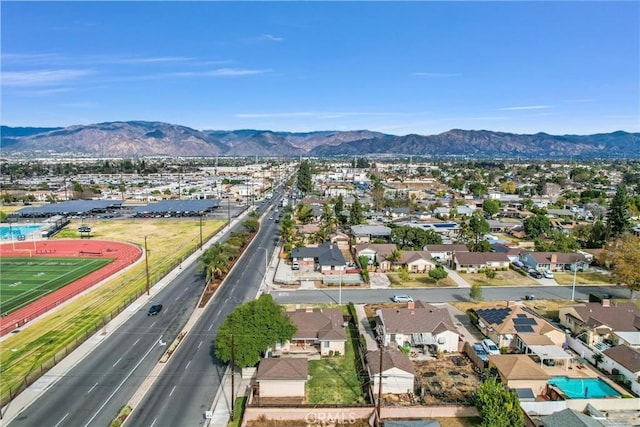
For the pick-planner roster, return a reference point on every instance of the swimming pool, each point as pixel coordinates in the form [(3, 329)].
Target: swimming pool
[(14, 230), (584, 388)]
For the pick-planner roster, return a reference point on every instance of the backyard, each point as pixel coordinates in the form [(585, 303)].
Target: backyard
[(335, 380)]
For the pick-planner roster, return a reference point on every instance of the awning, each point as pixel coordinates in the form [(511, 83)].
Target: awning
[(423, 339)]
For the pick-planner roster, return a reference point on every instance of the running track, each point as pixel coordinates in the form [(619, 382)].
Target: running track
[(125, 254)]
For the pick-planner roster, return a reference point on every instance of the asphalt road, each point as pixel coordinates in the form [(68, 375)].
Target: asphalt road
[(189, 382), (95, 390)]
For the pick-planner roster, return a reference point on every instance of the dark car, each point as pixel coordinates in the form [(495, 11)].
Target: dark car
[(530, 297), (154, 309), (535, 274)]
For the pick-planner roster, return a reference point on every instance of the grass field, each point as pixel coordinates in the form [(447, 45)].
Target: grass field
[(25, 280)]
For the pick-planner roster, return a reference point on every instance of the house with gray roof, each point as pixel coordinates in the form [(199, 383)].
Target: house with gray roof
[(555, 261), (367, 233), (319, 331), (626, 361), (326, 258), (418, 324), (444, 252), (398, 373), (597, 321)]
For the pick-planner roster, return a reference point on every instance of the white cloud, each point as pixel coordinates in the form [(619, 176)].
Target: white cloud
[(142, 59), (220, 72), (271, 38), (526, 107), (41, 77)]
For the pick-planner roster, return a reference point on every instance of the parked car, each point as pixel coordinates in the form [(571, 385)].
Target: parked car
[(489, 346), (529, 297), (481, 353), (154, 309), (402, 298), (547, 274), (295, 265), (535, 274)]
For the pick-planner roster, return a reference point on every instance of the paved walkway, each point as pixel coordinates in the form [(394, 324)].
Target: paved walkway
[(456, 278), (365, 328)]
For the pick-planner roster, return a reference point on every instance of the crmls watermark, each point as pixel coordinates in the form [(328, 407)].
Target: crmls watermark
[(324, 418)]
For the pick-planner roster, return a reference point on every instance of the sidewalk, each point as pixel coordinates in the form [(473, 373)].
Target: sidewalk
[(365, 328)]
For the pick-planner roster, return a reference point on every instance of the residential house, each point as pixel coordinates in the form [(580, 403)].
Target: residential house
[(567, 418), (376, 252), (339, 239), (473, 262), (416, 261), (555, 261), (319, 330), (368, 233), (513, 252), (282, 377), (625, 360), (596, 322), (326, 258), (498, 226), (444, 253), (519, 371), (398, 373), (418, 324), (396, 213), (516, 326)]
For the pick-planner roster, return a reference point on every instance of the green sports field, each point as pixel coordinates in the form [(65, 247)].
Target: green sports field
[(24, 280)]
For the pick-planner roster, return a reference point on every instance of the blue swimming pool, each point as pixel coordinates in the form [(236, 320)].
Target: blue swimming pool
[(14, 230), (584, 388)]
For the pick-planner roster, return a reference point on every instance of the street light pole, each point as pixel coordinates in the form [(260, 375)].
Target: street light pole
[(340, 289), (573, 288)]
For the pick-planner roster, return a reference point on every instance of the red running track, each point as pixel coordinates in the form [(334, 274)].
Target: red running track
[(125, 254)]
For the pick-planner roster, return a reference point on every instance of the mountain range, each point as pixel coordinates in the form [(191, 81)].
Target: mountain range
[(147, 139)]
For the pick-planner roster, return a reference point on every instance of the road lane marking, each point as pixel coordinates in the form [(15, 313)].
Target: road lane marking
[(136, 342), (91, 389), (152, 325), (188, 363), (121, 383), (154, 422), (117, 361), (200, 344), (178, 297), (172, 390), (210, 327), (60, 422)]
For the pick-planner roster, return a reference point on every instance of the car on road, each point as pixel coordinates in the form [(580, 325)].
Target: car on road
[(154, 309), (402, 298), (489, 346), (529, 297)]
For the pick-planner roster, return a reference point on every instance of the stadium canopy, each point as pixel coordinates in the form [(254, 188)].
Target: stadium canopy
[(178, 207), (70, 207)]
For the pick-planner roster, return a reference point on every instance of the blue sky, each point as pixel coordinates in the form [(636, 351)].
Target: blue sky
[(394, 67)]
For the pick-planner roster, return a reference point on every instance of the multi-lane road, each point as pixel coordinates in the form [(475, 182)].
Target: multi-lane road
[(93, 392)]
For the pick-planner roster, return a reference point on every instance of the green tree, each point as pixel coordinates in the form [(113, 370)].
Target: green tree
[(475, 294), (536, 225), (255, 326), (438, 273), (491, 206), (305, 183), (214, 261), (624, 255), (618, 214), (478, 188), (251, 224), (498, 406), (377, 193), (479, 227), (304, 214), (355, 213), (490, 274)]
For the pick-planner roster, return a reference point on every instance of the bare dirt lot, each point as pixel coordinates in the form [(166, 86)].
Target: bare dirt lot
[(450, 379)]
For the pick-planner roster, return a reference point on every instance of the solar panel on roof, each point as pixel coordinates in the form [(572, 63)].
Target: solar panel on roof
[(523, 328)]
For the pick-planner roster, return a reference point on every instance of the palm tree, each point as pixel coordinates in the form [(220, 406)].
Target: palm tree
[(215, 261)]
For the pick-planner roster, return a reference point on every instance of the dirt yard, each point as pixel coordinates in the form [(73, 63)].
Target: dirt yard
[(450, 379)]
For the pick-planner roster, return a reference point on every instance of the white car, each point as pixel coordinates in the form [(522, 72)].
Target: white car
[(489, 346), (402, 298), (547, 274)]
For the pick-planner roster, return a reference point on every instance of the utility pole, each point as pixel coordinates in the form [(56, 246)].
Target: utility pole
[(380, 389), (146, 262), (233, 385)]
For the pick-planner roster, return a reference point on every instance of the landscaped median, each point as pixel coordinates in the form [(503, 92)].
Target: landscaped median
[(26, 356)]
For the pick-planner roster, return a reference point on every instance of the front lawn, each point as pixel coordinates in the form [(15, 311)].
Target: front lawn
[(335, 379), (417, 280), (503, 278), (583, 278)]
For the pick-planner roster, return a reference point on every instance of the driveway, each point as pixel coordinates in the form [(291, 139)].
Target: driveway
[(379, 281)]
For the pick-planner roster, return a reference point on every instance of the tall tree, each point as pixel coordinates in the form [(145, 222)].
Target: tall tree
[(624, 256), (479, 227), (377, 193), (491, 206), (618, 214), (304, 184), (355, 213), (255, 326), (536, 225), (498, 406)]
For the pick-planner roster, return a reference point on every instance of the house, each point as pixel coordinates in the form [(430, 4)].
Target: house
[(419, 324), (519, 371), (326, 258), (518, 327), (444, 253), (473, 262), (568, 418), (339, 239), (555, 261), (498, 226), (625, 360), (596, 322), (398, 373), (319, 330), (376, 252), (513, 252), (367, 233), (282, 377), (416, 261)]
